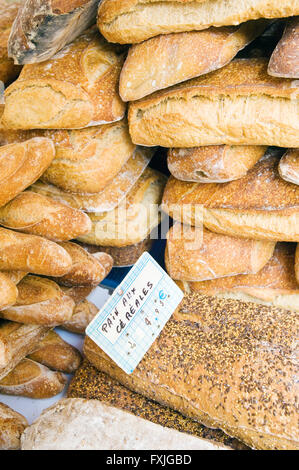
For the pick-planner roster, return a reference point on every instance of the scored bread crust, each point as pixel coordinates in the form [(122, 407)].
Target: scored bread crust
[(289, 166), (239, 104), (8, 12), (284, 61), (133, 21), (12, 425), (8, 291)]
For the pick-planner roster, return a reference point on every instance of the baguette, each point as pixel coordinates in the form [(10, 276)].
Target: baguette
[(40, 301), (8, 292), (22, 164), (213, 164), (15, 276), (84, 312), (76, 88), (43, 27), (133, 21), (164, 61), (297, 264), (53, 352), (8, 11), (31, 253), (32, 380), (16, 341), (289, 166), (12, 425), (275, 284), (261, 206), (196, 254), (77, 293), (239, 104), (284, 61), (40, 215), (220, 362)]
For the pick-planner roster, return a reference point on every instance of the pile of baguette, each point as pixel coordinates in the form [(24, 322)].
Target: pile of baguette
[(91, 89)]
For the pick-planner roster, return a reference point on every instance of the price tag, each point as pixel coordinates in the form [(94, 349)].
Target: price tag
[(135, 314)]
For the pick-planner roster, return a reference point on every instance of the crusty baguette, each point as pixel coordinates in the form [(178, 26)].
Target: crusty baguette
[(22, 164), (164, 61), (284, 61), (53, 352), (297, 264), (261, 205), (43, 27), (77, 88), (84, 312), (33, 380), (40, 301), (87, 269), (196, 254), (16, 341), (12, 425), (227, 364), (77, 424), (91, 384), (15, 276), (132, 21), (111, 196), (35, 214), (8, 291), (274, 285), (8, 11), (77, 293), (239, 104), (213, 164), (31, 253), (289, 166)]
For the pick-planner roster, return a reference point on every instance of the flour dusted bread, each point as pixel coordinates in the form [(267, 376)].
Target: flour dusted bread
[(227, 364), (8, 291), (275, 284), (8, 11), (289, 166), (40, 301), (43, 27), (83, 313), (12, 425), (169, 59), (284, 61), (76, 88), (239, 104), (21, 164), (196, 254), (213, 164), (77, 424), (261, 205), (35, 214), (131, 21)]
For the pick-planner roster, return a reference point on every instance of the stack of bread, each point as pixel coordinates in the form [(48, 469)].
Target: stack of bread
[(75, 166)]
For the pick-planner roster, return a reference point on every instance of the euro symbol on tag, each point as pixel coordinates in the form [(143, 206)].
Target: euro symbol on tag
[(162, 296)]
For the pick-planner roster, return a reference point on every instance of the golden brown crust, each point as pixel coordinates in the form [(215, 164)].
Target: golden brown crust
[(12, 425), (297, 264), (289, 166), (204, 108), (84, 312), (75, 89), (284, 61), (15, 276), (219, 362), (39, 215), (8, 292), (8, 12)]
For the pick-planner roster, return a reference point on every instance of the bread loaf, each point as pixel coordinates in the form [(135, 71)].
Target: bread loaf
[(35, 214), (131, 21), (227, 364), (8, 12), (15, 276), (31, 253), (239, 104), (284, 61), (32, 380), (40, 301), (43, 27), (77, 293), (164, 61), (22, 164), (8, 291), (213, 164), (16, 341), (297, 264), (12, 425), (260, 205), (76, 88), (196, 254), (289, 166), (83, 313)]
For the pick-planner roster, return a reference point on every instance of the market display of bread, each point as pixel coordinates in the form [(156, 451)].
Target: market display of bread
[(43, 27), (289, 166), (275, 284), (12, 425), (164, 61), (133, 21), (284, 61), (213, 164), (227, 364), (8, 11), (261, 205), (77, 88)]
